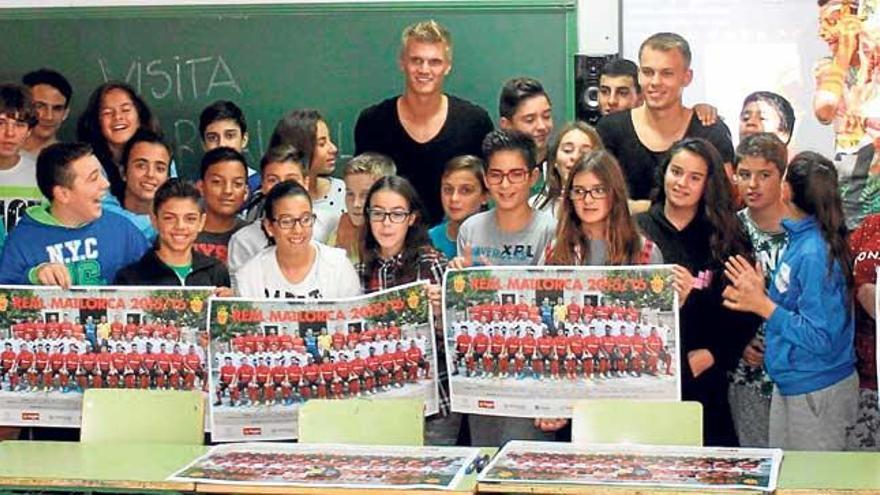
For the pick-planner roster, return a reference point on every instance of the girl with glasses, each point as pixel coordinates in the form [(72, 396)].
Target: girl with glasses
[(294, 266), (595, 227), (396, 250)]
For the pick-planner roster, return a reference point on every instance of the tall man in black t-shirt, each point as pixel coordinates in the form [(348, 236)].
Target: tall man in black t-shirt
[(640, 137), (423, 128)]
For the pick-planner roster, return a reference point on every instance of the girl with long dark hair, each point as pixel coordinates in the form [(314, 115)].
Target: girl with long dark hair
[(113, 114), (809, 330), (693, 220)]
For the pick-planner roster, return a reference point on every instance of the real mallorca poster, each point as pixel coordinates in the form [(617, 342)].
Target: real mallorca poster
[(327, 465), (55, 344), (529, 342), (269, 356)]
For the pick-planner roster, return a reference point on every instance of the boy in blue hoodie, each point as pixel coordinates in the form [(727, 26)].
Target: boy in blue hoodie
[(70, 240)]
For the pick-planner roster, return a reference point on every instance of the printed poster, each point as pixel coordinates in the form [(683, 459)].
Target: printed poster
[(529, 342), (269, 356), (328, 465), (55, 344), (635, 465)]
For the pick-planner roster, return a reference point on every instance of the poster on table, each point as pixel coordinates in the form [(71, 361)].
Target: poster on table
[(635, 465), (529, 342), (328, 465), (55, 344), (269, 356)]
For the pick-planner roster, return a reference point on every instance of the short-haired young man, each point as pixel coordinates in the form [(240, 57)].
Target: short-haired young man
[(640, 137), (525, 106), (222, 123), (619, 86), (146, 162), (511, 233), (70, 240), (423, 128), (51, 93), (178, 216), (279, 164), (223, 185), (760, 164)]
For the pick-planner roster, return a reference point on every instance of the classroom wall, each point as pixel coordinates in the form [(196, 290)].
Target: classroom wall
[(118, 3), (341, 58), (735, 51)]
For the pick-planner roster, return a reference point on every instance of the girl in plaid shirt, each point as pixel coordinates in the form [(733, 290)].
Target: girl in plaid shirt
[(396, 250)]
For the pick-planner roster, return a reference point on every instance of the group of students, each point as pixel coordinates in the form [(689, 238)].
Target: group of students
[(763, 268)]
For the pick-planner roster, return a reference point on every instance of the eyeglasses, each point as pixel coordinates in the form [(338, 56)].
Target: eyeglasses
[(287, 223), (581, 193), (514, 176), (745, 176), (379, 216)]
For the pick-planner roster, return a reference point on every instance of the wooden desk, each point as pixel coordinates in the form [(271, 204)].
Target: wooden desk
[(76, 466), (802, 473)]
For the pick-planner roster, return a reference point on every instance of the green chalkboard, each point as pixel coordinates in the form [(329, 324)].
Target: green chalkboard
[(338, 58)]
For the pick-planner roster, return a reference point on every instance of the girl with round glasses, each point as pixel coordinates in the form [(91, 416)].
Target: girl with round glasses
[(595, 227), (294, 266), (396, 247), (396, 250)]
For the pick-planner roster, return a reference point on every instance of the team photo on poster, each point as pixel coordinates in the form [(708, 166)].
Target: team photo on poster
[(55, 344), (539, 463), (529, 342), (269, 356), (344, 466)]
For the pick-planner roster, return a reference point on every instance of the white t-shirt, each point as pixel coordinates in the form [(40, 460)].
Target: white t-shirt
[(18, 190), (328, 209), (244, 245), (24, 173), (331, 276)]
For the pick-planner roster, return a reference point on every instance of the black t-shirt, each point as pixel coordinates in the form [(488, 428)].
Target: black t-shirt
[(378, 129), (639, 163), (704, 323)]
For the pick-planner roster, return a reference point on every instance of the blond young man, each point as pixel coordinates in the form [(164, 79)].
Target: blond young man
[(423, 128)]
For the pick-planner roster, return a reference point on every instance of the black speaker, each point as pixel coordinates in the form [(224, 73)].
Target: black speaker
[(586, 85)]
